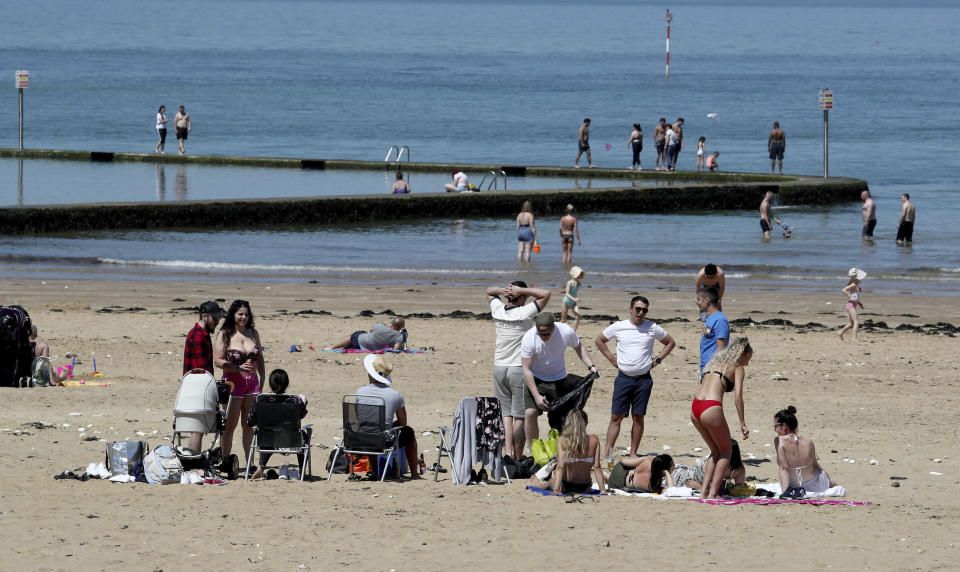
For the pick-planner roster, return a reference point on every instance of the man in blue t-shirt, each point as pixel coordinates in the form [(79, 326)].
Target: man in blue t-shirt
[(716, 328)]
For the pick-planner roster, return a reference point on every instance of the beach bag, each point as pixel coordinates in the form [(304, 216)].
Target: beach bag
[(122, 456), (545, 449), (162, 466), (40, 374), (341, 467)]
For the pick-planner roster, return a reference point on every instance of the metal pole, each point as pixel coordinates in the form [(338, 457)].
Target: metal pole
[(826, 154), (669, 17), (21, 118)]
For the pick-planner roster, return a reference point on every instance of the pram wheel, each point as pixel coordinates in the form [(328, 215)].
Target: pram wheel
[(232, 467)]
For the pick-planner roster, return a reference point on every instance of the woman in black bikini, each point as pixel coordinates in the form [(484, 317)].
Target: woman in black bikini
[(577, 454), (238, 353), (722, 374)]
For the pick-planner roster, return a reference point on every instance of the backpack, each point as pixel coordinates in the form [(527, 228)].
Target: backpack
[(162, 466), (341, 467), (545, 449), (122, 456)]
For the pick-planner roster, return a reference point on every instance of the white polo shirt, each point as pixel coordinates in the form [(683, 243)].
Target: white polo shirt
[(548, 354), (634, 344)]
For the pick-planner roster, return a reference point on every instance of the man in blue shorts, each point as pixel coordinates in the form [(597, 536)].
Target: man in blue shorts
[(716, 328), (634, 360), (776, 145)]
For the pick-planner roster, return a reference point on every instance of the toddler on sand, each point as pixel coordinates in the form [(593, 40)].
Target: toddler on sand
[(571, 296)]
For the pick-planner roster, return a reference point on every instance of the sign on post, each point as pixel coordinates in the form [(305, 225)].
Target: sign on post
[(826, 104), (23, 79)]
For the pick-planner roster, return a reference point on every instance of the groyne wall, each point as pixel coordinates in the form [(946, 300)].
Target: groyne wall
[(713, 191)]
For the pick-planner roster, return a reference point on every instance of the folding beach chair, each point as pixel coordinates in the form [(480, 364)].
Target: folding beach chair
[(365, 432), (277, 431), (467, 406)]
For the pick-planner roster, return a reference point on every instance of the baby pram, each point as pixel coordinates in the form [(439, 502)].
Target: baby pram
[(197, 410)]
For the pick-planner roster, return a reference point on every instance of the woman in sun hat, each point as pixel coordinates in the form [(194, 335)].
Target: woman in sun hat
[(853, 290)]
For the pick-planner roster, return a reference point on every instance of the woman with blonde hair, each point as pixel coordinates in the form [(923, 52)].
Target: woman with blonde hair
[(568, 229), (577, 454), (722, 374), (526, 233)]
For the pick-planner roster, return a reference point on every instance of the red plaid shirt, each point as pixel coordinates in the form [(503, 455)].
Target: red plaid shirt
[(198, 350)]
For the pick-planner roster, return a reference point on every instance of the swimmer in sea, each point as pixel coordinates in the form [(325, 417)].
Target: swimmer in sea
[(568, 230)]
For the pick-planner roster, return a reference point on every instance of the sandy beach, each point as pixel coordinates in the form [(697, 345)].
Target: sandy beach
[(888, 398)]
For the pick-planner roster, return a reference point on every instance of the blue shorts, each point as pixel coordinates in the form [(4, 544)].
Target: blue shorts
[(764, 226), (355, 339), (583, 146), (631, 392), (868, 228), (525, 234), (776, 151)]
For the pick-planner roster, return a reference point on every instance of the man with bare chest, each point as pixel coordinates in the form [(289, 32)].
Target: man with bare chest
[(660, 141), (583, 143), (765, 215), (776, 145)]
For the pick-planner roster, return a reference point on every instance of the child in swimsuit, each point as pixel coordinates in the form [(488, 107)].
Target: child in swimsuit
[(700, 150), (853, 290), (571, 300)]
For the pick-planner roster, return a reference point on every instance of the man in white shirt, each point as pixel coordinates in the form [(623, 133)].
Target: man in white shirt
[(544, 371), (512, 319), (634, 360)]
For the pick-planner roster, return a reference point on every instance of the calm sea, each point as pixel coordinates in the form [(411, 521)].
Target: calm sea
[(505, 82)]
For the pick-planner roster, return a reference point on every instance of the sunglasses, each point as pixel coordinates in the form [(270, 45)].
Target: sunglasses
[(640, 308), (544, 334)]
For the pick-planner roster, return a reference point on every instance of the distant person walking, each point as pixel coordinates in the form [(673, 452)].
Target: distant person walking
[(526, 232), (636, 142), (568, 229), (869, 213), (678, 131), (182, 126), (853, 291), (161, 130), (776, 145), (583, 143), (400, 187), (905, 223), (701, 145), (672, 142), (765, 214), (660, 142)]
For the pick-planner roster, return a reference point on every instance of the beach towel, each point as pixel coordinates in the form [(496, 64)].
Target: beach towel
[(549, 493), (383, 351)]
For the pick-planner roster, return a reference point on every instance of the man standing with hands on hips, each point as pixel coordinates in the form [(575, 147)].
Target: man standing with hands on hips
[(634, 360)]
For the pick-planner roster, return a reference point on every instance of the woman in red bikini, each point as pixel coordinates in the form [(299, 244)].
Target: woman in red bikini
[(238, 353), (722, 374)]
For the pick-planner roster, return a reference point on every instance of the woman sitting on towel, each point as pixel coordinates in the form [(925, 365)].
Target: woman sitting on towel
[(692, 475), (577, 454), (722, 374), (796, 456), (279, 381), (642, 474)]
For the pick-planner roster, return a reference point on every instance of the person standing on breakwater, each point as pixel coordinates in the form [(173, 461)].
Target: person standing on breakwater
[(568, 229), (583, 143), (526, 233), (765, 215), (670, 141), (161, 130), (701, 144), (636, 142), (678, 135), (659, 142), (869, 212), (776, 145), (460, 183), (400, 187), (183, 126), (905, 223)]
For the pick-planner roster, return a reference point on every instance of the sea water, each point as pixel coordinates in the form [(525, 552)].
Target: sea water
[(497, 82)]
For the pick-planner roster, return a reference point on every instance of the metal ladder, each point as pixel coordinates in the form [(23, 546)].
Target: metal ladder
[(399, 149), (496, 174)]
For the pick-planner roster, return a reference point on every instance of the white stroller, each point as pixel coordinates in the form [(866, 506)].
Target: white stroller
[(197, 411)]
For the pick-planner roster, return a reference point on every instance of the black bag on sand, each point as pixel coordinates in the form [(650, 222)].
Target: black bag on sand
[(16, 353), (341, 467)]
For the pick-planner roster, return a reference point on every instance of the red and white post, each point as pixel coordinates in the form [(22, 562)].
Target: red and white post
[(669, 18)]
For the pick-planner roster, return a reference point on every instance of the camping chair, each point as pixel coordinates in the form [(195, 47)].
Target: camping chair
[(365, 432), (278, 432)]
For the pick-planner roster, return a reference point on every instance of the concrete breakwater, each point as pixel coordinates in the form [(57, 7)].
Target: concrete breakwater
[(710, 191)]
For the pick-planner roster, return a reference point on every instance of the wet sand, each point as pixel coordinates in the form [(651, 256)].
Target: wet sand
[(888, 397)]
